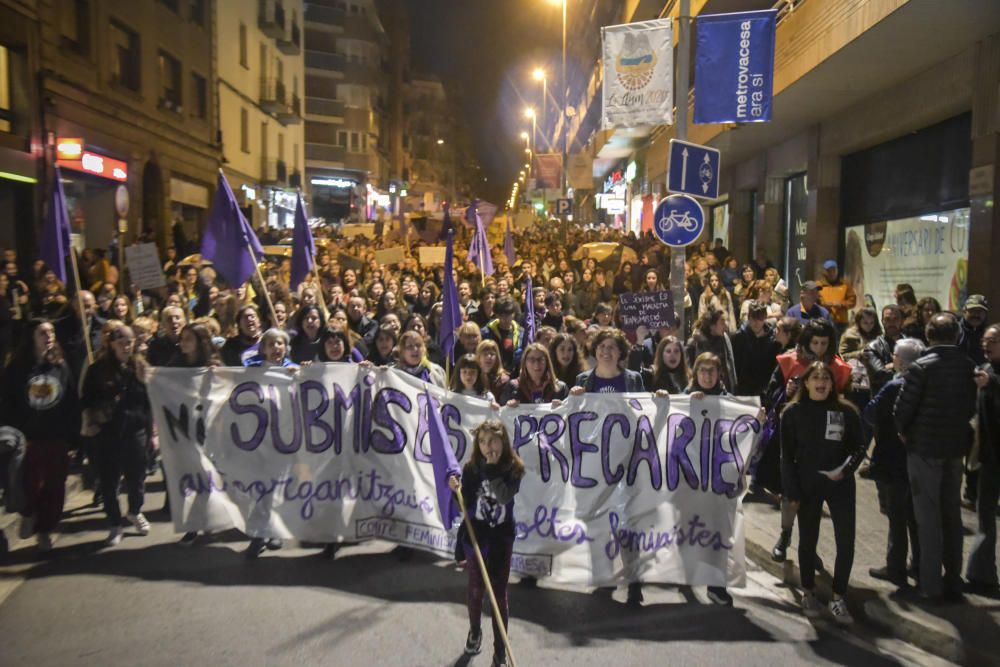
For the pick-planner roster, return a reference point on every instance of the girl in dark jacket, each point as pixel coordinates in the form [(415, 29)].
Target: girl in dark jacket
[(670, 369), (537, 382), (309, 324), (39, 399), (116, 403), (488, 484), (712, 335), (821, 447), (567, 360)]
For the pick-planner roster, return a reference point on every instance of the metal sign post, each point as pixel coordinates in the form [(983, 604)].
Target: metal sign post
[(678, 282)]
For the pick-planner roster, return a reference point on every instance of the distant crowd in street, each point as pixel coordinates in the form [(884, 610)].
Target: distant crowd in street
[(832, 373)]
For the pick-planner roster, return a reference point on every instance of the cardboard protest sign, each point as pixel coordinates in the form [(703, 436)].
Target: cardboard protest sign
[(652, 309), (617, 487), (358, 229), (144, 267), (431, 256), (393, 255), (347, 261)]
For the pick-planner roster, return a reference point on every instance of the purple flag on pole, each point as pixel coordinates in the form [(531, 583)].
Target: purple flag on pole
[(451, 313), (470, 213), (529, 312), (227, 236), (303, 247), (447, 225), (479, 251), (444, 463), (508, 245), (54, 246)]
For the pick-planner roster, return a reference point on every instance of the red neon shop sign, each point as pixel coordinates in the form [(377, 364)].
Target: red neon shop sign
[(99, 165)]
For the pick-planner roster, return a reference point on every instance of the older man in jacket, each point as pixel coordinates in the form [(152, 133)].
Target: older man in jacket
[(935, 404)]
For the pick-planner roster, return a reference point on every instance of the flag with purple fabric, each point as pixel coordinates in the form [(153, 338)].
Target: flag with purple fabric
[(447, 226), (479, 251), (451, 313), (303, 246), (508, 245), (443, 462), (54, 246), (229, 238), (529, 312), (470, 213)]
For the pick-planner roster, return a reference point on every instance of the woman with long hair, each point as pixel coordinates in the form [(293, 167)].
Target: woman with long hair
[(821, 447), (412, 359), (915, 325), (335, 346), (117, 412), (426, 298), (488, 356), (670, 369), (308, 323), (746, 277), (711, 334), (761, 291), (864, 330), (567, 359), (383, 352), (717, 297), (246, 342), (469, 379), (38, 397), (537, 382), (416, 322)]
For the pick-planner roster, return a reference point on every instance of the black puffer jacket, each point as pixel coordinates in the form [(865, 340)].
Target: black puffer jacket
[(989, 416), (936, 403), (755, 358), (876, 356)]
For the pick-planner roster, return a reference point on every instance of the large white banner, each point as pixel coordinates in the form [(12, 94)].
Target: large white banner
[(930, 252), (618, 487), (638, 74)]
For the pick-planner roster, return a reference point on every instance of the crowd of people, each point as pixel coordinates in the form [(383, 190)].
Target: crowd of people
[(830, 369)]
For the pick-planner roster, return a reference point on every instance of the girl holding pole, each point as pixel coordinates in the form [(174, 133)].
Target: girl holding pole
[(488, 484)]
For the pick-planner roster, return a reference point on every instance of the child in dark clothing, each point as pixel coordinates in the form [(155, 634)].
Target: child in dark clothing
[(489, 482)]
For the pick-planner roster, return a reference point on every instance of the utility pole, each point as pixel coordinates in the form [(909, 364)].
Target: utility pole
[(678, 282)]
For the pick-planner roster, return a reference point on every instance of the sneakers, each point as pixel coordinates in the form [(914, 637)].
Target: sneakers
[(189, 539), (114, 537), (140, 522), (255, 548), (44, 542), (780, 550), (27, 527), (474, 642), (838, 608), (274, 543), (810, 606), (719, 595)]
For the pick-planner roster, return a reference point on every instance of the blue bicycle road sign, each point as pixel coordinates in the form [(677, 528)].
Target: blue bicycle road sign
[(678, 220)]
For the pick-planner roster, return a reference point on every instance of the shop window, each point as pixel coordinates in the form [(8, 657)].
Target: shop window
[(125, 57), (199, 96), (244, 131), (243, 46), (75, 26), (5, 115), (198, 12), (170, 82)]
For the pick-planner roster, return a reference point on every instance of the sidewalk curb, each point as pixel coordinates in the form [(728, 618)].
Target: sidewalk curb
[(906, 622)]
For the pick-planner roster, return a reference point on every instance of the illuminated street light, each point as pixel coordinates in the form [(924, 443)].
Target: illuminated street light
[(538, 74), (529, 113), (440, 141)]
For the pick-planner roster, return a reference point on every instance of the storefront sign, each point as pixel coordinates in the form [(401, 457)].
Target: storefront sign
[(930, 252), (98, 165), (340, 183), (734, 68), (69, 148), (638, 74), (650, 309)]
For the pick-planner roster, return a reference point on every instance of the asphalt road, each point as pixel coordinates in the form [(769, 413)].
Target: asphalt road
[(150, 601)]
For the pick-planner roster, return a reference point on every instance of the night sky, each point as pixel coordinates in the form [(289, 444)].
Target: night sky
[(488, 49)]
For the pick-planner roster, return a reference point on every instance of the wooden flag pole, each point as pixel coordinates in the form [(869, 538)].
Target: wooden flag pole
[(79, 303), (263, 285), (486, 580), (319, 291)]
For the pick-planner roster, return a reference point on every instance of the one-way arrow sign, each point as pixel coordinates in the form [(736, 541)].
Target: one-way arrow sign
[(693, 170)]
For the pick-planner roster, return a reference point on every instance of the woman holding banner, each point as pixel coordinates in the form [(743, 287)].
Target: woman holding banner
[(412, 360), (670, 369), (309, 323), (537, 382), (245, 344)]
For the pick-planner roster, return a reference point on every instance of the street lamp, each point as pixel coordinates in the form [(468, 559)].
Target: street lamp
[(440, 142)]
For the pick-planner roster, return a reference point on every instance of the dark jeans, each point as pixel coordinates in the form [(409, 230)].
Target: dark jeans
[(982, 567), (46, 464), (936, 485), (840, 498), (497, 560), (894, 496), (117, 458)]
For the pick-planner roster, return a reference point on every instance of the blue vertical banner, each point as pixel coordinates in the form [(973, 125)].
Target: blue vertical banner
[(734, 67)]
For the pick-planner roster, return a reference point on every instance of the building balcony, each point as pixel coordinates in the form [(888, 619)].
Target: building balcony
[(325, 153), (274, 172), (327, 16), (271, 18), (316, 106), (330, 62), (291, 114), (291, 43), (272, 95)]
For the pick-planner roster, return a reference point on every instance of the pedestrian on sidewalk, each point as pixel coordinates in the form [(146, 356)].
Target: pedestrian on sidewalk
[(933, 410), (39, 399), (888, 469), (117, 412), (488, 484), (981, 572), (821, 447)]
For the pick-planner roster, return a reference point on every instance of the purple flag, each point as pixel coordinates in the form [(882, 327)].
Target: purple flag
[(451, 313), (529, 312), (444, 463), (508, 246), (227, 237), (54, 246), (447, 226), (470, 213), (303, 247), (479, 251)]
